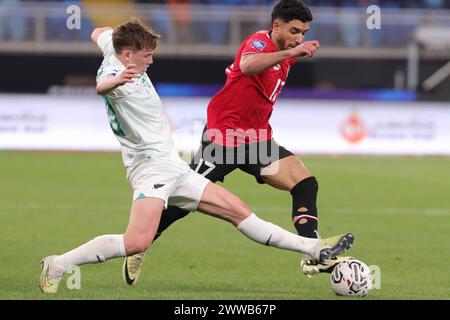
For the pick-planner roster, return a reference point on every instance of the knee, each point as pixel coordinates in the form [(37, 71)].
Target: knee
[(240, 208), (298, 173), (309, 185), (137, 243)]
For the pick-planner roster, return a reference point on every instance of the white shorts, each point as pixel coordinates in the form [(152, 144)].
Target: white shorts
[(170, 180)]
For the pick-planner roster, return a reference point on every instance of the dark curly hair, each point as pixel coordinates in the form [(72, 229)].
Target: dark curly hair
[(288, 10)]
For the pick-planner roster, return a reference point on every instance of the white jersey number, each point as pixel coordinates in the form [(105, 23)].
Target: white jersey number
[(210, 167), (277, 90)]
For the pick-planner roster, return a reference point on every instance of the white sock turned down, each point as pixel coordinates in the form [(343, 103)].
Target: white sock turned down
[(272, 235)]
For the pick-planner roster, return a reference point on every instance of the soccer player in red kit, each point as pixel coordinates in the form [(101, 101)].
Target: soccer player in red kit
[(240, 112), (238, 134)]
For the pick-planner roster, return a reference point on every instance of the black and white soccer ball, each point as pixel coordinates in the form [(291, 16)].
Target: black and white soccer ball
[(351, 278)]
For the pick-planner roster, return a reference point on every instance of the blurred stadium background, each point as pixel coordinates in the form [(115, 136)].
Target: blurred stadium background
[(47, 52), (372, 92)]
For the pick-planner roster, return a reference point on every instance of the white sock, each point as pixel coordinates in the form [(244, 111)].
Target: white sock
[(97, 250), (272, 235)]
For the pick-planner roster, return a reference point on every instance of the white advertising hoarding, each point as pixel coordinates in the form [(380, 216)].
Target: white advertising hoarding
[(45, 122), (361, 127), (41, 122)]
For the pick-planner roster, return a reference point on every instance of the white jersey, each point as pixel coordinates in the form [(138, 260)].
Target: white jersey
[(135, 112)]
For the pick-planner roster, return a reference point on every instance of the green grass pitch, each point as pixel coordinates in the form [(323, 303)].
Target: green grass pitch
[(398, 209)]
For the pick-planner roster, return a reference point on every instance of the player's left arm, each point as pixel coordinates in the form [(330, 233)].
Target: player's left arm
[(112, 81), (255, 63)]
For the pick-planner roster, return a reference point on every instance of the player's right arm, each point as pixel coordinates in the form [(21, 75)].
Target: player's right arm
[(255, 63), (111, 81), (97, 32), (102, 37)]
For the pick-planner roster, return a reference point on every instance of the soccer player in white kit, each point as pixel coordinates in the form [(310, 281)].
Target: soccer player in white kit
[(156, 173)]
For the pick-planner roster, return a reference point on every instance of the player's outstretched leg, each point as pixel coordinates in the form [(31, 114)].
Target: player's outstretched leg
[(144, 220), (96, 250), (132, 266), (292, 175), (220, 203), (311, 268), (330, 248), (51, 275)]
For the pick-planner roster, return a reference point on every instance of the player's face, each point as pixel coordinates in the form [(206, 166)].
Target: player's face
[(289, 34), (142, 59)]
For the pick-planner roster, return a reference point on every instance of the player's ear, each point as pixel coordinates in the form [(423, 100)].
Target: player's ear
[(127, 54), (276, 25)]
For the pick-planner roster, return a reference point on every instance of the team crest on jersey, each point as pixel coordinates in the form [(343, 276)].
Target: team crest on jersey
[(258, 44), (113, 73)]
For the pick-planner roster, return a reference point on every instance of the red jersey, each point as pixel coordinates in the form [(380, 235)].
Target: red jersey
[(240, 112)]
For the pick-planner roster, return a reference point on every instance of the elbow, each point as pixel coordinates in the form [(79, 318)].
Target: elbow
[(94, 35), (99, 91), (245, 69), (247, 73), (97, 32)]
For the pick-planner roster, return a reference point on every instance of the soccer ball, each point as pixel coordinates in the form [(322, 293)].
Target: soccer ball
[(351, 278)]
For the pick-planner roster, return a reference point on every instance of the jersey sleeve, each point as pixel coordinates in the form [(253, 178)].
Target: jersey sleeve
[(292, 61), (109, 71), (257, 44), (104, 42), (114, 71)]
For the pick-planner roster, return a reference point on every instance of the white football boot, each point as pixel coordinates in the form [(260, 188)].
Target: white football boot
[(51, 275), (132, 267)]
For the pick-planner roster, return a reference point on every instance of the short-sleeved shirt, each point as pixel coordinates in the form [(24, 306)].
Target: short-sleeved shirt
[(135, 112), (244, 105)]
